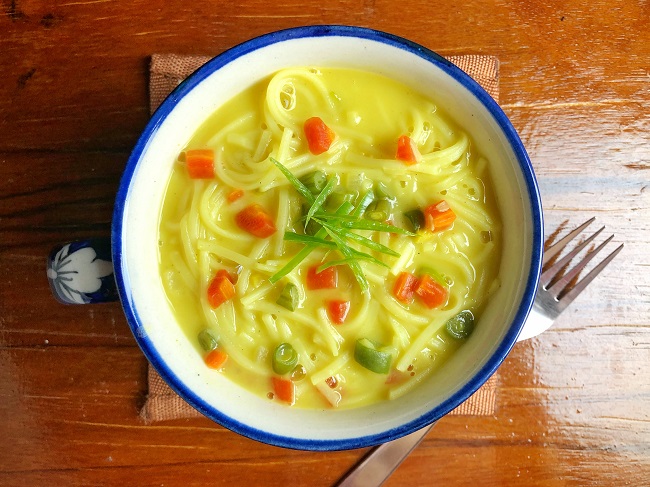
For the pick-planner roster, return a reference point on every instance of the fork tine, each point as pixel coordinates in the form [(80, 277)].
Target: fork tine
[(578, 288), (548, 275), (557, 247), (566, 278)]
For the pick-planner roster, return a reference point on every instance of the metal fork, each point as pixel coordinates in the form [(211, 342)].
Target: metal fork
[(554, 294)]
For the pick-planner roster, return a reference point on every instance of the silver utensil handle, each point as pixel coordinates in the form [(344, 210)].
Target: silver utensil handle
[(380, 462)]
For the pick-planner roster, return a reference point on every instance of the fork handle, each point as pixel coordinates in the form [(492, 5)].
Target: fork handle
[(380, 462)]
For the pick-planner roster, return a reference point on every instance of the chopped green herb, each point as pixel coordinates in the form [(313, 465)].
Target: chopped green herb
[(353, 263), (320, 199), (360, 239), (334, 229), (338, 197), (376, 226), (295, 182), (363, 204), (311, 227)]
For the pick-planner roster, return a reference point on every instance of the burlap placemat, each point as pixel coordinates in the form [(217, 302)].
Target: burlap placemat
[(166, 72)]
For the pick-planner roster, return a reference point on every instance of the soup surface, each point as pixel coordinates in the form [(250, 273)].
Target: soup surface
[(328, 238)]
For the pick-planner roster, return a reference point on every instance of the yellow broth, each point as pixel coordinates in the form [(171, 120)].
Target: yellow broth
[(368, 113)]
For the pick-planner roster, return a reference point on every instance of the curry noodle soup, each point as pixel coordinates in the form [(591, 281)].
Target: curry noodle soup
[(328, 238)]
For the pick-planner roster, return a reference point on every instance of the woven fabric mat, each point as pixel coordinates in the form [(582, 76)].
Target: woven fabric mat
[(165, 73)]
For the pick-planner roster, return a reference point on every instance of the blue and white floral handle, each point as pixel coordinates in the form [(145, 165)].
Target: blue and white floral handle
[(82, 272)]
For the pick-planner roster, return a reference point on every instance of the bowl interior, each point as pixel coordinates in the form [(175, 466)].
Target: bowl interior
[(140, 199)]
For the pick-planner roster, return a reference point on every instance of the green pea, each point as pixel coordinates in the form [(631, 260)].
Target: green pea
[(415, 219), (461, 325), (207, 340)]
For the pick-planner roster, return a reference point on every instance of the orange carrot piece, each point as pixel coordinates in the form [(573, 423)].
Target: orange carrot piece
[(404, 287), (255, 220), (319, 136), (221, 289), (234, 195), (407, 151), (285, 390), (438, 216), (396, 377), (338, 310), (228, 275), (216, 358), (200, 163), (326, 279), (432, 294)]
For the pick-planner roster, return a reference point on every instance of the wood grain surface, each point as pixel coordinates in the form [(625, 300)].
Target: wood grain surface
[(573, 405)]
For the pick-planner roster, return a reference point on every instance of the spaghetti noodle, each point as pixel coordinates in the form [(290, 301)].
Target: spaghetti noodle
[(261, 130)]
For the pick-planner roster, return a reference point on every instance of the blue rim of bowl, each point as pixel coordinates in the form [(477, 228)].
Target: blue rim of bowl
[(468, 388)]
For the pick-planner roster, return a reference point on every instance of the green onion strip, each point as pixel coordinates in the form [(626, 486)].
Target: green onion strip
[(337, 226)]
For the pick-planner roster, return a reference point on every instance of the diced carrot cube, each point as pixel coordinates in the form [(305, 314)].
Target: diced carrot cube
[(284, 389), (431, 292), (404, 287), (438, 216), (216, 358), (407, 150), (326, 279), (234, 195), (255, 220), (221, 289), (319, 136), (338, 310), (200, 163)]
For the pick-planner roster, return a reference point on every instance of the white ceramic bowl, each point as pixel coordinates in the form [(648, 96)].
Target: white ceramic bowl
[(134, 237)]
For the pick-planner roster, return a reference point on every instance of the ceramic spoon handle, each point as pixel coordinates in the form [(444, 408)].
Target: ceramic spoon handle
[(382, 460)]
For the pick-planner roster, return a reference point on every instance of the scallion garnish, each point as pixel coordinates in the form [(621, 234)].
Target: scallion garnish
[(295, 182), (320, 199), (335, 230)]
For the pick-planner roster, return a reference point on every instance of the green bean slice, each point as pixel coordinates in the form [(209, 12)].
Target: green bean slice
[(285, 359), (314, 181), (415, 219), (289, 297), (367, 355), (379, 210)]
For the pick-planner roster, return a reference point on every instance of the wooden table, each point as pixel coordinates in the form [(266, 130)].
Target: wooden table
[(573, 405)]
